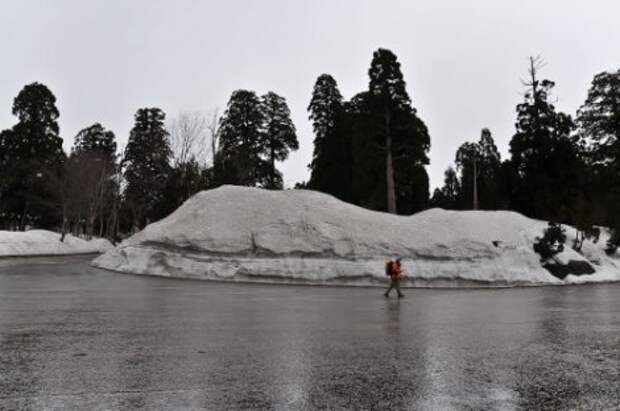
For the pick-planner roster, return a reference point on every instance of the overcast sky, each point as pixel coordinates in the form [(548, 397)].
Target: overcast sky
[(462, 60)]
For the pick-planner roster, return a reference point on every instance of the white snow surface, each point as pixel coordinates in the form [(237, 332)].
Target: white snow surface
[(43, 242), (248, 234)]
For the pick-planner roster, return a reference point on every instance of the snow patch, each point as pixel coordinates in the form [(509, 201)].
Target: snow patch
[(247, 234), (42, 242)]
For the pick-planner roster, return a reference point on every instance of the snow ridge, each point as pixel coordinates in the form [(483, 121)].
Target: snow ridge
[(43, 242), (248, 234)]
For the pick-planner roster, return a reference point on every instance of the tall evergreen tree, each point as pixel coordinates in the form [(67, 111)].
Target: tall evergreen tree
[(388, 99), (97, 141), (147, 166), (32, 157), (544, 155), (38, 134), (490, 174), (479, 164), (391, 140), (447, 196), (368, 178), (599, 127), (278, 137), (331, 166), (468, 159), (507, 184), (5, 178), (241, 132)]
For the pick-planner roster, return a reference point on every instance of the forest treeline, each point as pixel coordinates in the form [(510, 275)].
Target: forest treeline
[(370, 151)]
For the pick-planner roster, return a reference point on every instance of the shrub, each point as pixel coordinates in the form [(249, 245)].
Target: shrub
[(552, 241), (586, 233), (613, 243)]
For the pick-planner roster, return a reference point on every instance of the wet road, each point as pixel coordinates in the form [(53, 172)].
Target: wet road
[(74, 337)]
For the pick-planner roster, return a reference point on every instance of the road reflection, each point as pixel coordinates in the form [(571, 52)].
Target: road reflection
[(79, 338)]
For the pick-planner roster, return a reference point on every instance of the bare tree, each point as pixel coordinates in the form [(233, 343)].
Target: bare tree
[(113, 221), (59, 186), (98, 194), (536, 63), (214, 131), (189, 134), (84, 192), (67, 188)]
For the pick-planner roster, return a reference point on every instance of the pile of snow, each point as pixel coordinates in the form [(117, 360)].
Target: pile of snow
[(246, 234), (42, 242)]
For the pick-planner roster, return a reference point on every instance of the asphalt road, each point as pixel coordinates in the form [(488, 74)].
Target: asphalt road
[(74, 337)]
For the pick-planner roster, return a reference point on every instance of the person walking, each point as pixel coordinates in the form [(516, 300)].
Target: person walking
[(394, 271)]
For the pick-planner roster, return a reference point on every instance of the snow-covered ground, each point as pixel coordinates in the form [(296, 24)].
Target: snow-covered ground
[(246, 234), (42, 242)]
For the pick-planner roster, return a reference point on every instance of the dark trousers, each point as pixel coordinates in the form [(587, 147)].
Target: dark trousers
[(394, 284)]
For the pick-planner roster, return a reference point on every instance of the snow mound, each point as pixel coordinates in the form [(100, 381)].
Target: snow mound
[(248, 234), (42, 242)]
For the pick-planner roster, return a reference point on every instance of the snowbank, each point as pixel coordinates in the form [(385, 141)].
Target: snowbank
[(238, 233), (42, 242)]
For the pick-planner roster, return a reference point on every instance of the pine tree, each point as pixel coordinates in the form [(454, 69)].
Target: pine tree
[(5, 177), (331, 166), (32, 158), (507, 183), (599, 119), (544, 155), (147, 166), (468, 159), (97, 141), (389, 140), (389, 98), (368, 173), (479, 165), (12, 189), (37, 134), (599, 127), (241, 132), (278, 137), (447, 196), (490, 175)]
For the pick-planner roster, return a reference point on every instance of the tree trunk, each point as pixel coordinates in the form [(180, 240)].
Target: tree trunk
[(273, 170), (475, 205), (64, 227), (580, 237), (90, 226), (112, 222), (76, 225), (391, 190), (22, 221), (213, 152)]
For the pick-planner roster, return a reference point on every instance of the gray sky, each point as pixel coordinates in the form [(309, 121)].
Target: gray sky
[(462, 60)]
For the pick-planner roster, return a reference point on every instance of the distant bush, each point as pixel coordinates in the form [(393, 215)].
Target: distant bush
[(552, 241), (613, 243), (587, 232)]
